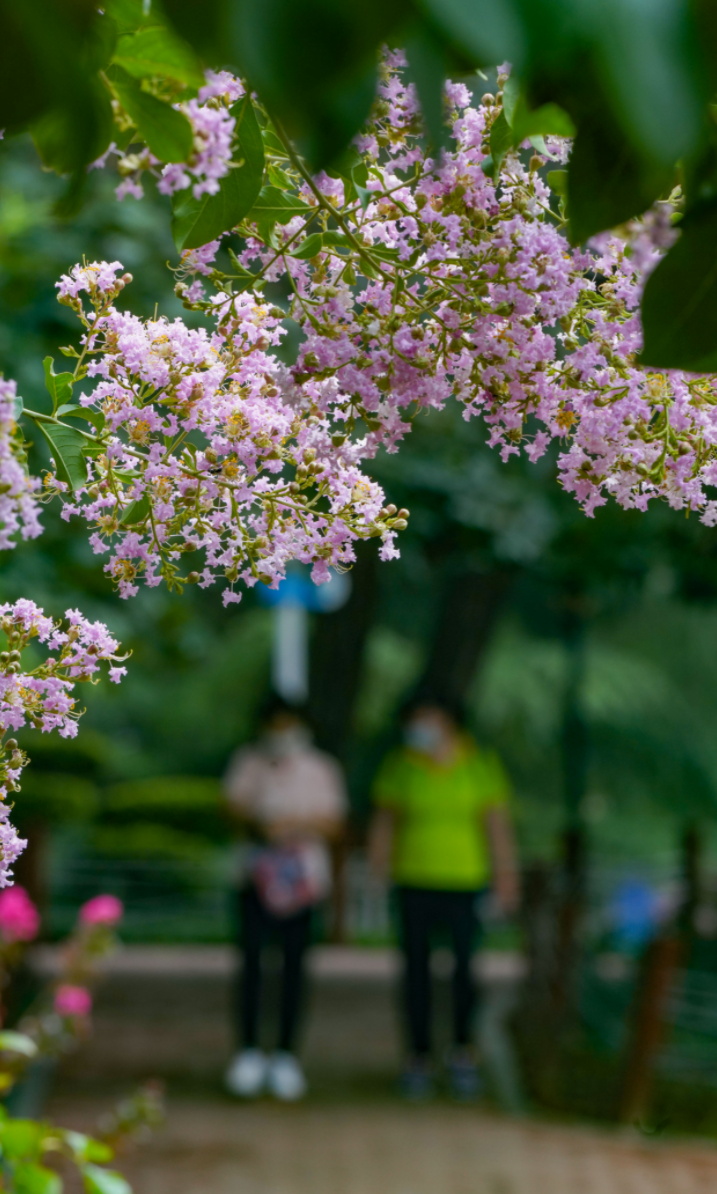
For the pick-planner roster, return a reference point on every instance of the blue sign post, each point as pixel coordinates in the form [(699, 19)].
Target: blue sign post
[(295, 597)]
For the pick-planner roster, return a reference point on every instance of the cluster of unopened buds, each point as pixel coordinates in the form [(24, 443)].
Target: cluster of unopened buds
[(42, 696)]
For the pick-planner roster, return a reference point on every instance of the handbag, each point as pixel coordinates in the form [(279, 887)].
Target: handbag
[(290, 878)]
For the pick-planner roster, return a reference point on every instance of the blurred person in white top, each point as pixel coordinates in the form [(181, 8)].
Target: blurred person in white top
[(291, 800)]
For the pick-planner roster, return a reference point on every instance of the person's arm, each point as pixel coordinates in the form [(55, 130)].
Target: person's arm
[(240, 784), (504, 856), (381, 835)]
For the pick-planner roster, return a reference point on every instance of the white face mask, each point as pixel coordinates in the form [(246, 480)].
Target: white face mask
[(282, 743), (424, 736)]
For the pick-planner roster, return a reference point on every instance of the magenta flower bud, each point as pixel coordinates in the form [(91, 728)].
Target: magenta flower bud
[(102, 910), (72, 1001)]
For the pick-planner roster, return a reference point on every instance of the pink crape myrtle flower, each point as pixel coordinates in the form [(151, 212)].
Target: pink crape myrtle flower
[(72, 1001), (102, 910), (19, 918), (42, 697)]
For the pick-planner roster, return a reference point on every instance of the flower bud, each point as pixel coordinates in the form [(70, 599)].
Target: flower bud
[(390, 510), (192, 578), (399, 524), (403, 512)]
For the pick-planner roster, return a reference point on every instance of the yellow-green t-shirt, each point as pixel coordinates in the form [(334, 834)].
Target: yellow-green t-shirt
[(441, 839)]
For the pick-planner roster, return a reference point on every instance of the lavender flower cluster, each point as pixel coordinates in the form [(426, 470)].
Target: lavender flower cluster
[(212, 133), (42, 696), (209, 451), (442, 276)]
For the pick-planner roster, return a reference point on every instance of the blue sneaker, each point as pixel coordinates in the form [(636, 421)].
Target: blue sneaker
[(464, 1078), (417, 1081)]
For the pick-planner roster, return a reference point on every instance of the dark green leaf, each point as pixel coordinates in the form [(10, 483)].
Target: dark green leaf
[(197, 221), (310, 247), (679, 306), (135, 514), (166, 131), (501, 140), (158, 52), (646, 56), (427, 69), (36, 1179), (56, 133), (67, 447), (313, 62), (59, 385), (608, 182), (489, 30), (104, 1181)]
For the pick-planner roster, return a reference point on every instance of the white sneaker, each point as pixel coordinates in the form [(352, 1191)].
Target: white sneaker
[(247, 1074), (286, 1079)]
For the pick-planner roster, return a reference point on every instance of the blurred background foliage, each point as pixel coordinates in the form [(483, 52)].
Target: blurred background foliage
[(584, 649)]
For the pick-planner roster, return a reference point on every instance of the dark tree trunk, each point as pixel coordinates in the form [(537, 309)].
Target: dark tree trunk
[(336, 655), (576, 746), (468, 609)]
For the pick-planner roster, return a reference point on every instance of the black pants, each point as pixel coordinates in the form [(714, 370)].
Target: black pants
[(422, 910), (257, 927)]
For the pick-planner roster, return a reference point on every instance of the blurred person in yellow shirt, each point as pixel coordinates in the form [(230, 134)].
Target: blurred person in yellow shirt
[(442, 831)]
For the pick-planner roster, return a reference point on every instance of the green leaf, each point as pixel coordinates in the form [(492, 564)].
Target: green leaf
[(21, 1139), (128, 14), (511, 95), (275, 206), (137, 513), (56, 133), (17, 1042), (72, 411), (310, 247), (17, 407), (158, 52), (557, 180), (679, 305), (550, 120), (36, 1179), (67, 447), (59, 385), (195, 222), (166, 131), (104, 1181), (501, 140), (649, 65), (427, 69), (608, 181), (84, 1148)]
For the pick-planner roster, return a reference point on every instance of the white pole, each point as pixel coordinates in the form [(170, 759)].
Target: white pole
[(290, 656)]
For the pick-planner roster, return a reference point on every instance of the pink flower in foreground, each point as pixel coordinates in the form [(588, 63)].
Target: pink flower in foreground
[(102, 910), (19, 918), (72, 1001)]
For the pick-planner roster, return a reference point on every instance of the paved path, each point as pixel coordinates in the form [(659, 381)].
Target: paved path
[(164, 1017), (212, 1147)]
